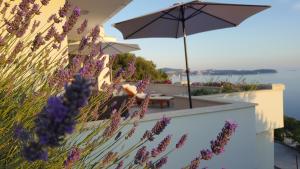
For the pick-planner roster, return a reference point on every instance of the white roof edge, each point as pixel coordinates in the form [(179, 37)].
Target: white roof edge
[(116, 11)]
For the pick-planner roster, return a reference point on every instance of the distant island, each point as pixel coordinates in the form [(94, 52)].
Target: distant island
[(238, 72), (172, 71)]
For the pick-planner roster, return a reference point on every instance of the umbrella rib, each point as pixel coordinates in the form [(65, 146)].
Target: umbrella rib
[(169, 18), (219, 18), (178, 25), (197, 12), (149, 23), (167, 13), (214, 16)]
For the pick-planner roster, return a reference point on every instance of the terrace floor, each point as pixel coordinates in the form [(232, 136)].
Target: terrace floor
[(178, 103)]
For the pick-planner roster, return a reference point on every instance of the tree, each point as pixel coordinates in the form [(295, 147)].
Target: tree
[(144, 68)]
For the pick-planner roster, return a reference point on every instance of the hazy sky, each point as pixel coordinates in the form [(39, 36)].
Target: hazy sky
[(270, 39)]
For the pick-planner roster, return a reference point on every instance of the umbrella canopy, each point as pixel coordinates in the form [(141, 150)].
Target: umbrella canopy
[(197, 16), (185, 19), (110, 48)]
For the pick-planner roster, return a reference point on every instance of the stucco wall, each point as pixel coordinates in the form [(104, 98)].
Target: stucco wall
[(265, 149), (269, 108), (203, 125)]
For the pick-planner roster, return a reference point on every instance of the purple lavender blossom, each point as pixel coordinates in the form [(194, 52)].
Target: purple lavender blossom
[(195, 163), (142, 85), (82, 27), (51, 33), (34, 26), (72, 157), (70, 23), (160, 125), (118, 135), (14, 9), (131, 68), (37, 42), (2, 41), (114, 125), (148, 135), (83, 43), (161, 162), (217, 146), (206, 154), (45, 2), (34, 151), (21, 133), (161, 147), (64, 10), (58, 118), (181, 141), (140, 155), (144, 107), (95, 33), (4, 9), (120, 165)]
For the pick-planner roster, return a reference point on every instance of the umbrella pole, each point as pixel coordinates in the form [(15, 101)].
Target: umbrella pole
[(187, 65)]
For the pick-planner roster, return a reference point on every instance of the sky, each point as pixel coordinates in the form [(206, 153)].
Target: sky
[(270, 39)]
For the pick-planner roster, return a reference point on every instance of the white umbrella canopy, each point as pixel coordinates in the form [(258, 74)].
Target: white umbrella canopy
[(184, 19), (109, 48)]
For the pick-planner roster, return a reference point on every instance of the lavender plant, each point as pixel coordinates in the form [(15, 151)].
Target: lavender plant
[(49, 98)]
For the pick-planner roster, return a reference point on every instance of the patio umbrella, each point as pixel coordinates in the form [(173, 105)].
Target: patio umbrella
[(109, 48), (185, 19)]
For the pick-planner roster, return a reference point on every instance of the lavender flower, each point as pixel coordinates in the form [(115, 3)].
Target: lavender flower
[(2, 41), (71, 21), (34, 151), (45, 2), (206, 154), (148, 135), (181, 141), (54, 18), (109, 157), (141, 85), (95, 33), (120, 165), (195, 163), (35, 10), (83, 43), (160, 125), (51, 33), (161, 162), (131, 68), (72, 157), (130, 133), (13, 10), (18, 48), (114, 125), (37, 42), (118, 136), (144, 107), (82, 27), (161, 147), (4, 9), (64, 10), (58, 117), (140, 155), (21, 133), (217, 146), (35, 25)]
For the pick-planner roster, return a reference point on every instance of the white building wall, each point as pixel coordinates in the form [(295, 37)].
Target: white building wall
[(265, 150), (250, 148)]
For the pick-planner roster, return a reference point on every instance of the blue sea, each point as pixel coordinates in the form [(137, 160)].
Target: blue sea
[(290, 78)]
